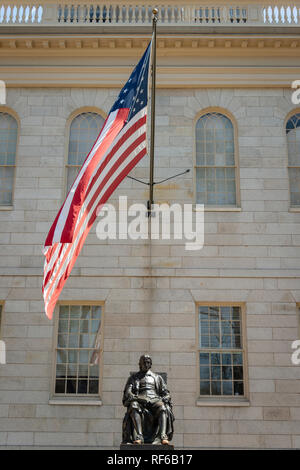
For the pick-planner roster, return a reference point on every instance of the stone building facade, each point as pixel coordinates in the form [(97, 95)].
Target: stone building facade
[(154, 295)]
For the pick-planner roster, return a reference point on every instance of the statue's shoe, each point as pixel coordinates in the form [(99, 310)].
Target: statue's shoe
[(139, 440), (165, 442)]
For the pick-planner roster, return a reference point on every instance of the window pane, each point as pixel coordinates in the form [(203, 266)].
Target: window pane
[(215, 149), (77, 368)]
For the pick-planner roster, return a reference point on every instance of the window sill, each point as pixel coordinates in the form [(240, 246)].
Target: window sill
[(219, 209), (223, 402), (77, 402), (6, 208), (294, 209)]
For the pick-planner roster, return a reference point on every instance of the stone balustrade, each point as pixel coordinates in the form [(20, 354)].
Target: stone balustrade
[(68, 14)]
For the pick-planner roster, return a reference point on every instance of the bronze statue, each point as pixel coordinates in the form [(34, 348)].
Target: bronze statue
[(149, 417)]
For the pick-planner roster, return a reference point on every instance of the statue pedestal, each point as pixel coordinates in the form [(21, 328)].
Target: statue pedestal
[(151, 447)]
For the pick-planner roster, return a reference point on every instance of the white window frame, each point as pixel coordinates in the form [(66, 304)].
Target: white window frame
[(85, 399), (223, 400)]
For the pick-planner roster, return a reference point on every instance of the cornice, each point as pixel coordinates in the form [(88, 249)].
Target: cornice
[(200, 45)]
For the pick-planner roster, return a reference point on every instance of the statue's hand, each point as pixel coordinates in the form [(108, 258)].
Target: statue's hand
[(143, 400), (134, 397)]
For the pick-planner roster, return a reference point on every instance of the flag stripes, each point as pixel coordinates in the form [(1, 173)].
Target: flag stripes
[(119, 147), (118, 161)]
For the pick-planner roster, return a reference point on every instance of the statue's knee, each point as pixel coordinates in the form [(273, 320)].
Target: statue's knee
[(161, 407), (134, 406)]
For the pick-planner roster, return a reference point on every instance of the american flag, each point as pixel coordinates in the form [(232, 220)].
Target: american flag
[(120, 145)]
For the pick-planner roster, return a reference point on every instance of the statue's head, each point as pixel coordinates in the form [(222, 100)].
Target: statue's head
[(145, 363)]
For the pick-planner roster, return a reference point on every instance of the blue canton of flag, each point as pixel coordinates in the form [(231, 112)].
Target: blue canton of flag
[(134, 95)]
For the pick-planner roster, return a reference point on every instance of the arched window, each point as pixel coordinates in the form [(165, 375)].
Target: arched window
[(293, 141), (8, 147), (84, 131), (215, 161)]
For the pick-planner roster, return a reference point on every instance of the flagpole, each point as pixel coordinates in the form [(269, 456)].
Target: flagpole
[(153, 89)]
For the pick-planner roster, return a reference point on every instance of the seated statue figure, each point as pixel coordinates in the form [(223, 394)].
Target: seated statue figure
[(149, 417)]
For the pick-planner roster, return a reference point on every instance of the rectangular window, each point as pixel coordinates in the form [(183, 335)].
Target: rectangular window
[(221, 353), (78, 351)]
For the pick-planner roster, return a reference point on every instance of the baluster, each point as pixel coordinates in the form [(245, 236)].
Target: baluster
[(65, 13), (172, 14), (72, 13), (199, 15), (20, 14), (224, 15), (188, 15), (237, 14), (270, 15), (80, 14), (112, 13), (163, 14), (289, 15), (77, 13), (213, 18), (33, 11), (282, 15), (40, 13), (59, 13), (14, 14), (69, 13), (8, 14), (2, 14), (27, 13), (244, 15), (97, 14), (122, 14), (126, 16), (294, 15), (118, 13), (181, 14), (143, 14), (276, 15), (168, 14), (136, 14), (2, 11)]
